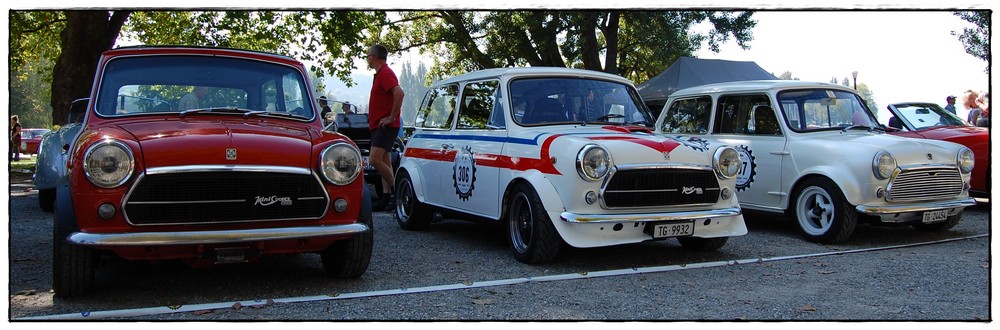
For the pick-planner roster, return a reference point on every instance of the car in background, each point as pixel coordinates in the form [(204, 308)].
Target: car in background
[(925, 120), (814, 152), (347, 120), (247, 172), (30, 139), (558, 157), (50, 167)]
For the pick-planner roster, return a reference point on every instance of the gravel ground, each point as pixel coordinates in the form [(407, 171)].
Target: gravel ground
[(947, 281)]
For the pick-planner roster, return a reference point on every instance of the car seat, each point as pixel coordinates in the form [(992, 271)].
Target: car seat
[(546, 110)]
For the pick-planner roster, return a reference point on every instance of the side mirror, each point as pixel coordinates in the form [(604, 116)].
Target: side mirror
[(77, 110)]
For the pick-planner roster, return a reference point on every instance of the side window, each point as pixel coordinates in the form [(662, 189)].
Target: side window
[(688, 116), (477, 105), (439, 110), (733, 113)]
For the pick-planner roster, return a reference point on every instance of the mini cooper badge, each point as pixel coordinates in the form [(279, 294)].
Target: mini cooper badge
[(231, 154), (464, 173)]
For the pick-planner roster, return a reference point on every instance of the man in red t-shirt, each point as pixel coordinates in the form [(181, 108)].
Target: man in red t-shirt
[(383, 119)]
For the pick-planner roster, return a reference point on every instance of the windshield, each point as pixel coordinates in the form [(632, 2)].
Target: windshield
[(158, 84), (822, 109), (548, 101), (917, 116)]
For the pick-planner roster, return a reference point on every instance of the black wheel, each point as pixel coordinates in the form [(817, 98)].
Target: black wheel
[(73, 266), (702, 244), (349, 258), (822, 212), (47, 199), (531, 235), (411, 214), (940, 226)]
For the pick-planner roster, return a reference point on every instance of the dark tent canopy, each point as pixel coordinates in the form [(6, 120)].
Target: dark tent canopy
[(687, 72)]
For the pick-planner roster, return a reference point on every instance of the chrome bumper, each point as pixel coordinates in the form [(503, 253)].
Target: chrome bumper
[(646, 217), (212, 236), (918, 207)]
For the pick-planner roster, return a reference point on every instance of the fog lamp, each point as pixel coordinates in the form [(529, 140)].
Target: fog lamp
[(726, 194), (591, 197), (340, 205), (106, 211)]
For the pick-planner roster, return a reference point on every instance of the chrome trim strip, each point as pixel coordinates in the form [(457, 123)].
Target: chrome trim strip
[(188, 202), (918, 207), (651, 166), (227, 168), (212, 236), (647, 217)]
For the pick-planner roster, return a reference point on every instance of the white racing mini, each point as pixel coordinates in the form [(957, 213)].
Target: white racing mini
[(562, 156), (815, 152)]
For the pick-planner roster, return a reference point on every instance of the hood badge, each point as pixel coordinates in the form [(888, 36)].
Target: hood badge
[(231, 154), (929, 156), (692, 190)]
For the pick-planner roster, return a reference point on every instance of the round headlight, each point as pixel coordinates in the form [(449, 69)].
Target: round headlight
[(727, 162), (883, 165), (340, 163), (108, 164), (593, 162), (966, 160)]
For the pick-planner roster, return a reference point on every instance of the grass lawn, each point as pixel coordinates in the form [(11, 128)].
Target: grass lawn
[(23, 168)]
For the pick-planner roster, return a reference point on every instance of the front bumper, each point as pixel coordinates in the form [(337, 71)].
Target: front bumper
[(212, 236), (914, 207), (647, 217)]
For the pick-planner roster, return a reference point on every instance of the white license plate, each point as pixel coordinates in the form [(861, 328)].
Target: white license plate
[(673, 229), (935, 216)]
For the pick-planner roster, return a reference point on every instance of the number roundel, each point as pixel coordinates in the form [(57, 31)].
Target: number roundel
[(749, 169), (464, 174)]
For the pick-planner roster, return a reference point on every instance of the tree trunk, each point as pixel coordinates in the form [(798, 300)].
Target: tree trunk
[(86, 36), (610, 30), (589, 49)]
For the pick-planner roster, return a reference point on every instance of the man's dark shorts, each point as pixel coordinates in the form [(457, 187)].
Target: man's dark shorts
[(383, 137)]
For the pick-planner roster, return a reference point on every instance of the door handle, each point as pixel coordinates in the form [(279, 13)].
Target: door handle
[(447, 146)]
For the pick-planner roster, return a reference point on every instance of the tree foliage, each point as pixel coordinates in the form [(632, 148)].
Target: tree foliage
[(634, 44), (464, 41), (976, 40)]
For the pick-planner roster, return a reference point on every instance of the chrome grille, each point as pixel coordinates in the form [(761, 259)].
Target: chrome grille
[(925, 184), (224, 197), (648, 187)]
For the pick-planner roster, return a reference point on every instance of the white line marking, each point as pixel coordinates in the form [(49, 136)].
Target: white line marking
[(447, 287)]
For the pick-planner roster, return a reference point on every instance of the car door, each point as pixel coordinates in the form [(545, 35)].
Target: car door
[(478, 140), (749, 124), (431, 147)]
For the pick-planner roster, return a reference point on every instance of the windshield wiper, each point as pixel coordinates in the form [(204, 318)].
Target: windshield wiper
[(216, 109), (865, 127)]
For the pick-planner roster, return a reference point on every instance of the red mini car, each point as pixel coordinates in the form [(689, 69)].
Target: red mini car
[(930, 121), (209, 156), (30, 139)]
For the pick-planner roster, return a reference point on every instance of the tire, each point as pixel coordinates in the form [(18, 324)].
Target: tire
[(702, 244), (349, 258), (47, 199), (940, 226), (530, 234), (411, 214), (822, 212), (73, 266)]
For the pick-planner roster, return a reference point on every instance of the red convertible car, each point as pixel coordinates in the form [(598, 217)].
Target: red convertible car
[(207, 156), (30, 139), (930, 121)]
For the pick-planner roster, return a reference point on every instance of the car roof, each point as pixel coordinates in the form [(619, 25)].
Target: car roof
[(530, 71), (197, 50), (755, 85)]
